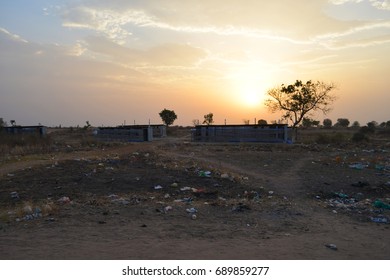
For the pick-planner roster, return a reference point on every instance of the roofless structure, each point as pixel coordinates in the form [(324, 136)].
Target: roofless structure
[(131, 133), (273, 133)]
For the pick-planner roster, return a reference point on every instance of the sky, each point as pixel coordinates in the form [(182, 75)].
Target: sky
[(124, 61)]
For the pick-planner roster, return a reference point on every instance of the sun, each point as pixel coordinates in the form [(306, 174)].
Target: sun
[(249, 86), (251, 97)]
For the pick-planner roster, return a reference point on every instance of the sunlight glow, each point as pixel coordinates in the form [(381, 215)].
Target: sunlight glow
[(250, 86)]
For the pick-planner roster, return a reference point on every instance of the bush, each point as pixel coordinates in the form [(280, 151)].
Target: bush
[(336, 138), (359, 137)]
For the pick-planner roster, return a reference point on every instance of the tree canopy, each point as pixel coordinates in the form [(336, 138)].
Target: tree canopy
[(208, 119), (168, 116), (298, 100)]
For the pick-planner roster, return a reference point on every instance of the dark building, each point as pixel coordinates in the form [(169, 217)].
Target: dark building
[(274, 133), (131, 133), (18, 129)]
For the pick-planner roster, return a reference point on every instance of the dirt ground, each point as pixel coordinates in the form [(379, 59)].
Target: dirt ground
[(175, 199)]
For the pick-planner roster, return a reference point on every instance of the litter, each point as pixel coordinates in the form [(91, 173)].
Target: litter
[(167, 209), (341, 195), (331, 246), (64, 199), (206, 174), (379, 220), (381, 204), (358, 166), (14, 195), (158, 187), (191, 210), (186, 200)]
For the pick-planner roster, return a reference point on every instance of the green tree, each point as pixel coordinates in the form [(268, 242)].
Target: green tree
[(327, 123), (372, 125), (342, 122), (168, 116), (299, 100), (208, 119), (355, 124), (307, 122)]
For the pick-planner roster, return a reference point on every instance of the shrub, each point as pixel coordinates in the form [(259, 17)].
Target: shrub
[(335, 138), (359, 137)]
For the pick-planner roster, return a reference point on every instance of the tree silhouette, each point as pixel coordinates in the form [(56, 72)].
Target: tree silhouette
[(168, 116), (208, 119), (298, 100)]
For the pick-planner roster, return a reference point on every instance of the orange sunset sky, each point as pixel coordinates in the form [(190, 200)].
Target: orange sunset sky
[(66, 62)]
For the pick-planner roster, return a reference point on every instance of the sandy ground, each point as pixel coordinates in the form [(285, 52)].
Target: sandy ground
[(257, 201)]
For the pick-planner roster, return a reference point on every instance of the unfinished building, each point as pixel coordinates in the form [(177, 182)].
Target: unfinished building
[(33, 129), (131, 133), (274, 133)]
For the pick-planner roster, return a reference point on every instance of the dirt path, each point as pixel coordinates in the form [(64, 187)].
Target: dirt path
[(284, 224)]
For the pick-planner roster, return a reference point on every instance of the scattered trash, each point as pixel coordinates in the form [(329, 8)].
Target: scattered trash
[(167, 209), (193, 216), (270, 192), (206, 174), (15, 195), (186, 200), (174, 185), (381, 204), (185, 189), (120, 200), (158, 187), (191, 210), (30, 214), (358, 166), (341, 195), (10, 175), (380, 220), (64, 200), (331, 246)]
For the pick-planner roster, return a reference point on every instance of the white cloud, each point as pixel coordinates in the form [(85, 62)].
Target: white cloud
[(274, 20), (340, 2), (382, 5), (14, 37)]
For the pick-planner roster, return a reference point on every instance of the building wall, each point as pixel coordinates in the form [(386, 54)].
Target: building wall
[(41, 130), (241, 133), (121, 134)]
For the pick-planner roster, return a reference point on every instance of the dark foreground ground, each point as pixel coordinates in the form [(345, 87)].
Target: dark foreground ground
[(173, 199)]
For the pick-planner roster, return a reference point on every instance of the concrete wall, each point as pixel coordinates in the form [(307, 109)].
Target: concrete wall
[(241, 133), (125, 134), (39, 129)]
